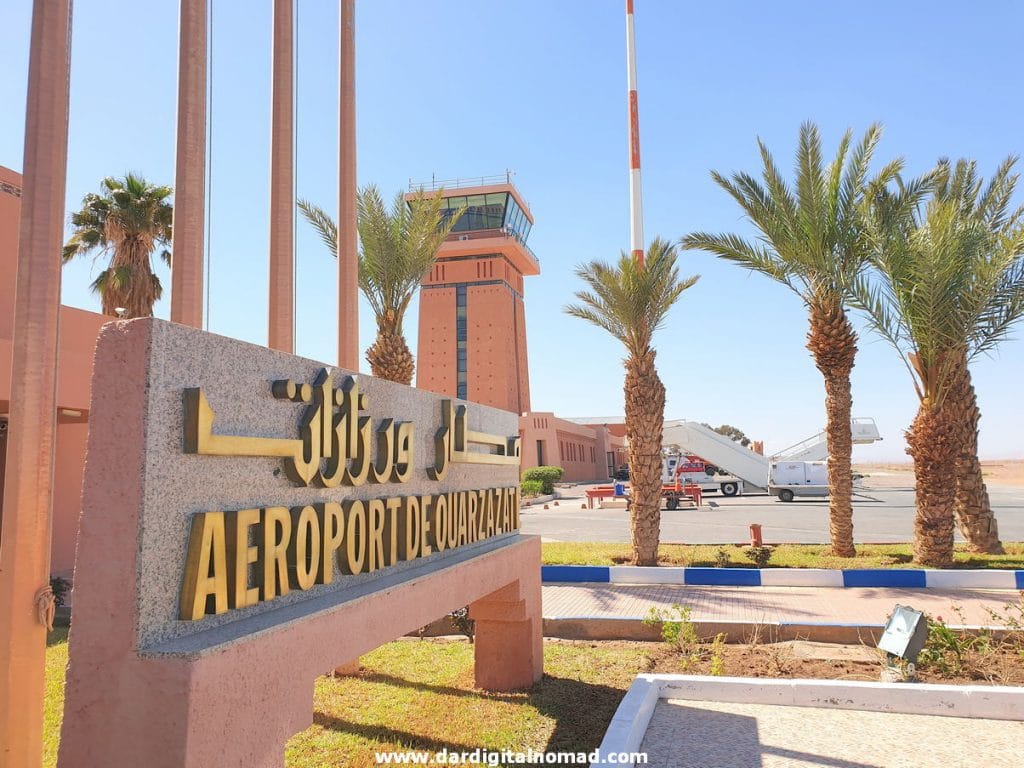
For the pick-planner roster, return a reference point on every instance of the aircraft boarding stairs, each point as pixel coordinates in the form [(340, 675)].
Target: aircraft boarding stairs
[(816, 448), (748, 466)]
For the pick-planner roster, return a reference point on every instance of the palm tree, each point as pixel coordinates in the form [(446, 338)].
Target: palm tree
[(991, 209), (630, 302), (810, 241), (129, 219), (398, 249), (947, 284)]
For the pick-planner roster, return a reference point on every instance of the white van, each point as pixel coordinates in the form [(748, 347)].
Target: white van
[(788, 479)]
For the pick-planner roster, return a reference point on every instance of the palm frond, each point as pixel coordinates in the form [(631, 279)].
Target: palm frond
[(811, 235), (398, 245), (322, 223), (730, 247), (947, 277), (629, 301)]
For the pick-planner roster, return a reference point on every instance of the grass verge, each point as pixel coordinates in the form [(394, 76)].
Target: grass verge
[(53, 710), (419, 694), (783, 555)]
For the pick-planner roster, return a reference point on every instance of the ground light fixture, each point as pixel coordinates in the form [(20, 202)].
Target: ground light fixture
[(903, 638)]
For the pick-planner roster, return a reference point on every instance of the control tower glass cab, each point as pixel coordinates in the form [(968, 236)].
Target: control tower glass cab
[(472, 328)]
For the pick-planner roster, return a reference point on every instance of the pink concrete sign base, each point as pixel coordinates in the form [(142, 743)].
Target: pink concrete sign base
[(239, 705), (235, 698)]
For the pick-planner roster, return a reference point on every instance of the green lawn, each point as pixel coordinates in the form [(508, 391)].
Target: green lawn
[(413, 694), (783, 556), (419, 695), (56, 662)]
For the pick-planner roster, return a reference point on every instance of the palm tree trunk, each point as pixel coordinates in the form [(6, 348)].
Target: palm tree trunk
[(141, 293), (111, 299), (833, 342), (974, 516), (645, 415), (390, 358), (132, 287), (933, 442)]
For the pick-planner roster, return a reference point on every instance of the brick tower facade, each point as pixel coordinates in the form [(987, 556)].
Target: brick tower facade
[(472, 328)]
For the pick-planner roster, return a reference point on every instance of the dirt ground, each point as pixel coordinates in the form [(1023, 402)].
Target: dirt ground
[(998, 472), (1002, 664)]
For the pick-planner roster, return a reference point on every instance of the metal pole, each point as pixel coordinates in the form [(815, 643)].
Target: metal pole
[(281, 333), (348, 264), (636, 198), (190, 167), (25, 596)]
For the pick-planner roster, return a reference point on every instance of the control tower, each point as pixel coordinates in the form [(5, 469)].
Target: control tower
[(472, 329)]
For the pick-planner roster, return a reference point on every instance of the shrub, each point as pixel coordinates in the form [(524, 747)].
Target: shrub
[(532, 488), (547, 476), (950, 652), (722, 559), (461, 621), (60, 588), (677, 631), (717, 656), (758, 555)]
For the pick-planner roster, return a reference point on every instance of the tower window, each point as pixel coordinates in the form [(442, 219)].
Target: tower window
[(461, 367)]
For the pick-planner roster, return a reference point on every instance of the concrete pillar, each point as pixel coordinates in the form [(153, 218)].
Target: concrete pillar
[(281, 331), (348, 244), (27, 502), (508, 644), (190, 168)]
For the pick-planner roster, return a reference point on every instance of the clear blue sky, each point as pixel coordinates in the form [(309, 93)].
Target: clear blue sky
[(462, 88)]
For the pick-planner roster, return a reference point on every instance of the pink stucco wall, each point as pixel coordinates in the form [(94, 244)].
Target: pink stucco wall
[(581, 450), (67, 495), (77, 343)]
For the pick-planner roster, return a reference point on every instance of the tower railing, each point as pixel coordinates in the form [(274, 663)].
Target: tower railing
[(470, 181), (479, 234)]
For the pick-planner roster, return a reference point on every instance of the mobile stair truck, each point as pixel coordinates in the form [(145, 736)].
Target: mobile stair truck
[(789, 479), (802, 469), (683, 469), (685, 441)]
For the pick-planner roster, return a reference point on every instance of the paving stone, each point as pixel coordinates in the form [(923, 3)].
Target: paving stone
[(768, 605), (699, 734)]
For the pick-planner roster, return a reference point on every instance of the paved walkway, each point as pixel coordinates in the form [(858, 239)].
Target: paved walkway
[(707, 734), (800, 605)]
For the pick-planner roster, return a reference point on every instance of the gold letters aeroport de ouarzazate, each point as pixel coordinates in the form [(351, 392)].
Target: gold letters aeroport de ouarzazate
[(238, 559)]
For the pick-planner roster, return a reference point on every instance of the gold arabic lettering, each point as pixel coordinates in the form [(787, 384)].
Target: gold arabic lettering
[(334, 443)]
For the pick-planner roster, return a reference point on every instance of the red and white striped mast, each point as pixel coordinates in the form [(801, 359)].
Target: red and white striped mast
[(636, 198)]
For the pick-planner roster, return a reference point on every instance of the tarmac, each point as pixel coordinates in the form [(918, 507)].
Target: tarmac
[(880, 515)]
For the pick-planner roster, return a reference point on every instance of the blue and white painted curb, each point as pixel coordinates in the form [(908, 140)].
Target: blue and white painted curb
[(906, 578)]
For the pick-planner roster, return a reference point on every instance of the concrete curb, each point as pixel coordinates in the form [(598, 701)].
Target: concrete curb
[(629, 724), (908, 578), (735, 631), (533, 501)]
